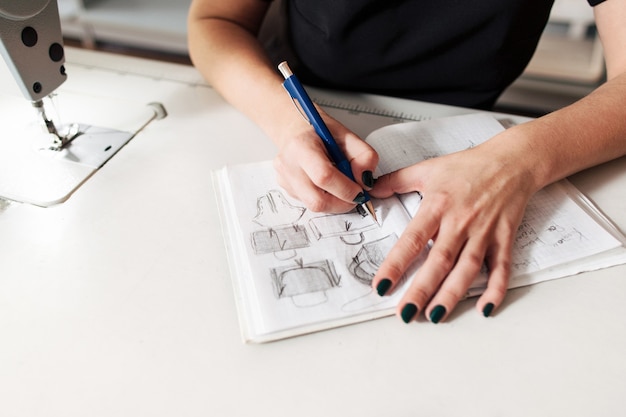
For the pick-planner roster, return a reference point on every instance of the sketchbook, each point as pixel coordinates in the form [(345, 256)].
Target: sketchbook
[(295, 271)]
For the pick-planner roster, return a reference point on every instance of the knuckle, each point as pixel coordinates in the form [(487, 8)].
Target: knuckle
[(451, 294), (322, 176), (414, 241), (393, 270), (506, 266), (420, 296), (498, 287), (443, 257), (440, 204), (316, 205), (473, 260), (370, 155), (501, 265)]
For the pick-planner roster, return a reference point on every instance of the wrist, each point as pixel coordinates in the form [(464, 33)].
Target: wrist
[(517, 158)]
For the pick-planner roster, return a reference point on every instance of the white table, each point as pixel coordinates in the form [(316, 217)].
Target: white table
[(118, 302)]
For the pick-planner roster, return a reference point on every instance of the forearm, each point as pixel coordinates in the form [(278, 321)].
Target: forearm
[(592, 130), (232, 60), (586, 133)]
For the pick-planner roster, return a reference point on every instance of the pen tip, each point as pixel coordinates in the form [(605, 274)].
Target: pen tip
[(370, 209)]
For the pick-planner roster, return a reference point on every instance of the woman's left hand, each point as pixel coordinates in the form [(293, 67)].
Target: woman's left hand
[(473, 202)]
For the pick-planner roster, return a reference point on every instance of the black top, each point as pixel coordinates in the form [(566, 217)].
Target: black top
[(456, 52)]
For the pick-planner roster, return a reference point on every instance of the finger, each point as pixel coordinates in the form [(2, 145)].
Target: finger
[(441, 259), (325, 175), (499, 264), (362, 157), (400, 181), (408, 247), (299, 186), (455, 285), (363, 160)]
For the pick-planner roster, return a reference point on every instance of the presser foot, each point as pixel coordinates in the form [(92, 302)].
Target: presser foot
[(60, 138), (64, 137)]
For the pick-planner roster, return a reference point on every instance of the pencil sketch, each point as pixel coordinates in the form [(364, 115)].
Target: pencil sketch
[(363, 267), (349, 227), (369, 258), (273, 210), (281, 241), (367, 300), (305, 284)]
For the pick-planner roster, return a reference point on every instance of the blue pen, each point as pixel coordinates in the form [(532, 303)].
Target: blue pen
[(308, 110)]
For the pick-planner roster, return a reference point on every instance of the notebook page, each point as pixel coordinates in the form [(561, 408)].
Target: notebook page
[(404, 144), (298, 269), (555, 230)]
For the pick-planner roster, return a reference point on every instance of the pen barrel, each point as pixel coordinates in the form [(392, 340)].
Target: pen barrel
[(345, 168), (306, 106), (309, 111)]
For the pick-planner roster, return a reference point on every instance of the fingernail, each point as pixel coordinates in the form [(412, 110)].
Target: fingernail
[(383, 286), (408, 312), (488, 309), (360, 198), (368, 179), (437, 314)]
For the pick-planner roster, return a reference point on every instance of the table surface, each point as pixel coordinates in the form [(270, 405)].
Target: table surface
[(118, 302)]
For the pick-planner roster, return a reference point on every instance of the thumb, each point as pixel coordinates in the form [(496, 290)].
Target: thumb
[(401, 181)]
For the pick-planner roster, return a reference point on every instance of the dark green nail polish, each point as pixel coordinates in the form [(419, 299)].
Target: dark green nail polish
[(360, 198), (408, 312), (368, 179), (383, 286), (437, 314), (488, 309)]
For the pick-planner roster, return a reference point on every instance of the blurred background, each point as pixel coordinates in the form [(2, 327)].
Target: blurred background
[(567, 65)]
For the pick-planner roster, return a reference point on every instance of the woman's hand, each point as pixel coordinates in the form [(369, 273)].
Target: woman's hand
[(305, 170), (473, 202)]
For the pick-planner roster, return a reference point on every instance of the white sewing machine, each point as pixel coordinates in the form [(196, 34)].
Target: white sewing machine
[(44, 166)]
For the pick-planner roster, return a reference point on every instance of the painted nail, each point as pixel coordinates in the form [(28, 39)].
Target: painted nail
[(488, 309), (383, 286), (359, 199), (408, 312), (368, 179), (437, 314)]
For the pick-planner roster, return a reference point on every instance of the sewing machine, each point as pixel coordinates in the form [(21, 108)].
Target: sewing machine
[(44, 166)]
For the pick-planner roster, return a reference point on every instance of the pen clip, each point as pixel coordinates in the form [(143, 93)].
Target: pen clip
[(284, 69), (300, 109)]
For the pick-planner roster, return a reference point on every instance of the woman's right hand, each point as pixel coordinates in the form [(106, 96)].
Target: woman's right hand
[(307, 173)]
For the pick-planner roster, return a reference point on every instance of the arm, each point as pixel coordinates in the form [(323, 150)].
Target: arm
[(224, 47), (474, 200), (592, 130)]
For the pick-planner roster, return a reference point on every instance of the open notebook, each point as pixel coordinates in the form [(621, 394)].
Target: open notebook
[(295, 271)]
